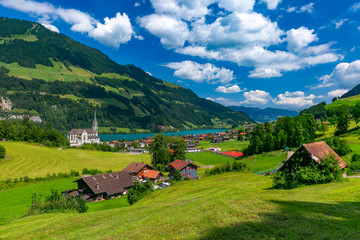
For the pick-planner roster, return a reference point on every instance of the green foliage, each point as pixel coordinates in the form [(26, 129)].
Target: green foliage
[(159, 150), (317, 110), (138, 191), (235, 167), (27, 131), (177, 176), (2, 151), (343, 122), (340, 146), (356, 112), (178, 146), (312, 173), (55, 202)]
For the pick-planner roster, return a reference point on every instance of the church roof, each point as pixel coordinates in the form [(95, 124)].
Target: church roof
[(80, 131)]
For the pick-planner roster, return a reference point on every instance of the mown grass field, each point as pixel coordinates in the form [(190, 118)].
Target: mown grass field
[(227, 206), (226, 146), (350, 101), (208, 158), (265, 161), (36, 161)]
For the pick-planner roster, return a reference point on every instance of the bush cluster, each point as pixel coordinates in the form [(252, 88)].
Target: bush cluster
[(2, 151), (313, 173), (56, 202), (354, 165), (138, 191), (235, 167)]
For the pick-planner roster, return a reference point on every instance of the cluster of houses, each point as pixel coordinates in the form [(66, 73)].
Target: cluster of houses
[(116, 184)]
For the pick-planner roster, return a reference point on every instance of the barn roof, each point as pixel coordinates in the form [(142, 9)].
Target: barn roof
[(320, 150), (180, 164), (135, 167), (233, 153), (110, 183)]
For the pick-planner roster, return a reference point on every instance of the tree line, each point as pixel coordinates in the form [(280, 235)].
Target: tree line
[(28, 131), (286, 132)]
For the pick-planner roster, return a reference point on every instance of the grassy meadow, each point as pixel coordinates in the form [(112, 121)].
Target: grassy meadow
[(227, 206), (36, 161), (208, 158)]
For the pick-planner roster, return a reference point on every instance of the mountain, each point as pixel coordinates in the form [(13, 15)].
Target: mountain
[(263, 115), (353, 92), (317, 110), (69, 80)]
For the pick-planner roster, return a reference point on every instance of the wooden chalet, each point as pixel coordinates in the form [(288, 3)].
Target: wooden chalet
[(103, 186), (143, 171), (311, 152)]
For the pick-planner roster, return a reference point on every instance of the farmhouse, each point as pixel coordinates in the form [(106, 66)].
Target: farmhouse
[(186, 168), (104, 186), (311, 152), (78, 137), (142, 171)]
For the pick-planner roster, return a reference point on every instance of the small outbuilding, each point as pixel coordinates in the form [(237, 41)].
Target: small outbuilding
[(312, 152)]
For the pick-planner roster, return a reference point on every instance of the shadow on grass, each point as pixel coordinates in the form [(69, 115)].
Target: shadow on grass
[(297, 220)]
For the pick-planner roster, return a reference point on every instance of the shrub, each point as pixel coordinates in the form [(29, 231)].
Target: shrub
[(138, 191), (313, 173), (74, 173), (55, 202), (177, 176), (2, 151)]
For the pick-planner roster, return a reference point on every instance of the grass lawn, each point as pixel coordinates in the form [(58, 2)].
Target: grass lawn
[(227, 206), (265, 161), (36, 161), (225, 146), (15, 202), (208, 158)]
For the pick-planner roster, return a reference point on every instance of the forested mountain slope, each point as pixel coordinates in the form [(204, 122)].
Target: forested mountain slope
[(64, 81)]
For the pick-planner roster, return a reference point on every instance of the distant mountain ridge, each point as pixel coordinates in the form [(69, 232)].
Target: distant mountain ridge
[(353, 92), (266, 114), (70, 80)]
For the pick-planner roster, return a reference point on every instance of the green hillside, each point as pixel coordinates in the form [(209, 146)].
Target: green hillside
[(228, 206), (63, 81), (36, 161)]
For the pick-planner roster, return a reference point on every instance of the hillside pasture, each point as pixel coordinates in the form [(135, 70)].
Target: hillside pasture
[(265, 161), (36, 161), (227, 206), (208, 158)]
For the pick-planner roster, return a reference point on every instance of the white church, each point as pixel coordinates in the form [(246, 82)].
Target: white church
[(78, 137)]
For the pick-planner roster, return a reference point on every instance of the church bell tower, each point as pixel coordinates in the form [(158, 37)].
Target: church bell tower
[(95, 124)]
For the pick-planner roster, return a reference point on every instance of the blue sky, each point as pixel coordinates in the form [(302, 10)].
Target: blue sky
[(278, 53)]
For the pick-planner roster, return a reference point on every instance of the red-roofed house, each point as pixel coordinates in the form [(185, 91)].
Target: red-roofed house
[(233, 154), (312, 152), (186, 168), (152, 175)]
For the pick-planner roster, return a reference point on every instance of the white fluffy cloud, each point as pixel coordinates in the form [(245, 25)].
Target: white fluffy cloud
[(232, 89), (300, 38), (171, 31), (272, 4), (201, 72), (337, 93), (113, 32), (294, 99), (238, 35), (344, 75), (340, 22), (256, 97)]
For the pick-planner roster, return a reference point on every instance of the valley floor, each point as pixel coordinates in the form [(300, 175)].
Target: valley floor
[(228, 206)]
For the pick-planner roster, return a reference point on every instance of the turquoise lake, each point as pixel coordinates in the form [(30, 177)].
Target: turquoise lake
[(136, 136)]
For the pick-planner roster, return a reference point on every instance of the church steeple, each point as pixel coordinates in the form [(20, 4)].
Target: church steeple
[(95, 124)]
